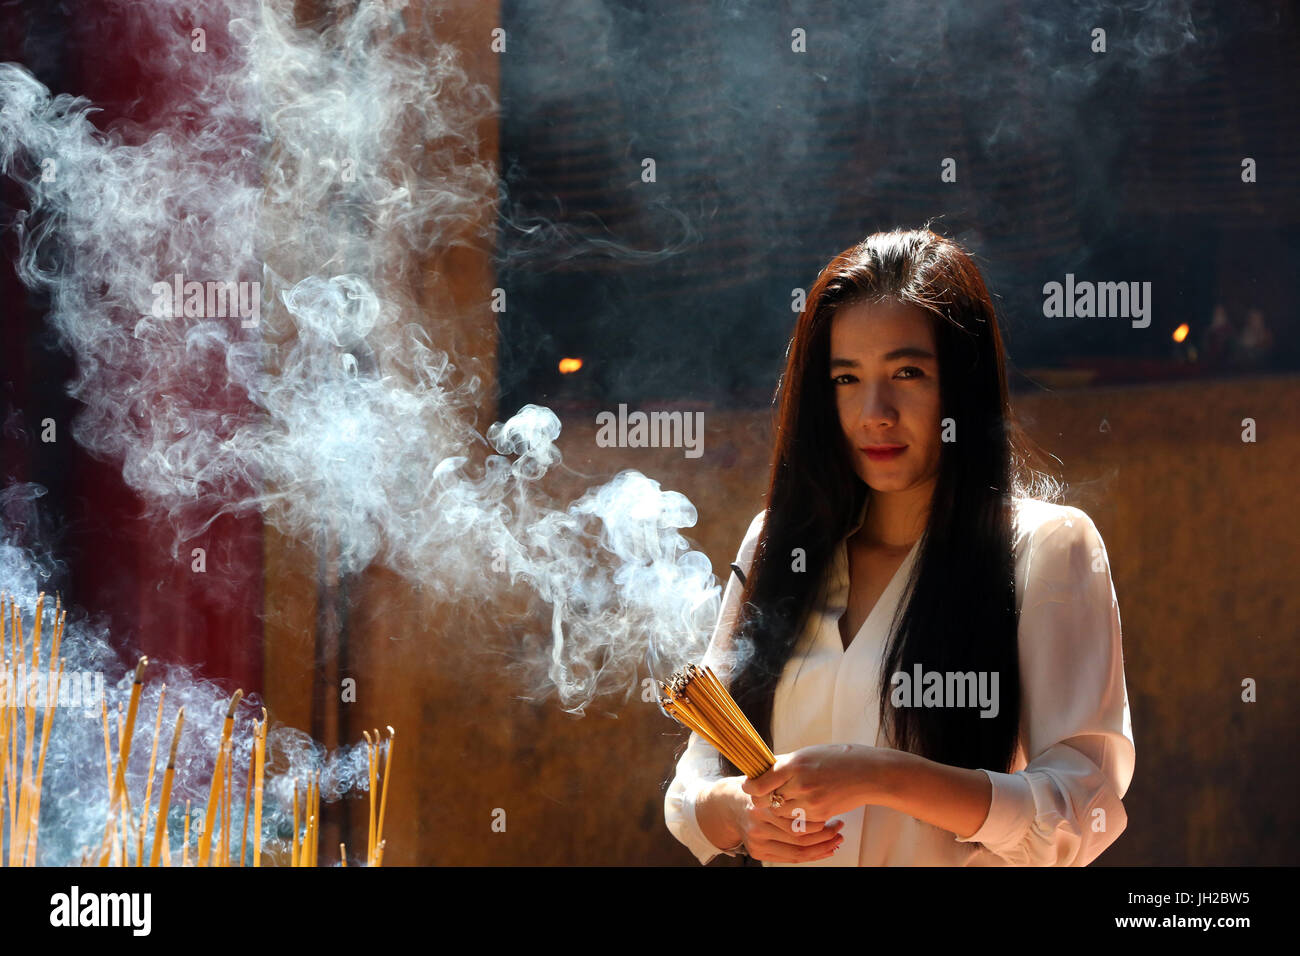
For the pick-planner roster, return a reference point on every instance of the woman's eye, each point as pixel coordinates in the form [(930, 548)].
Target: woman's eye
[(848, 378)]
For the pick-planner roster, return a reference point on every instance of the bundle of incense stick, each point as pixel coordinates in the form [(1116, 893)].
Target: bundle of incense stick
[(20, 779), (304, 852), (376, 842), (696, 698), (127, 847), (22, 766)]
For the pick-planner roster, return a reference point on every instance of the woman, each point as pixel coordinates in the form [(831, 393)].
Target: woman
[(932, 652)]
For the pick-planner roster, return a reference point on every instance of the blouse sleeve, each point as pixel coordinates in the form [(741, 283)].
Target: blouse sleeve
[(1064, 808), (698, 767)]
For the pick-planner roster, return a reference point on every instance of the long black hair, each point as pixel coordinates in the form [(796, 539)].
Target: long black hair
[(959, 611)]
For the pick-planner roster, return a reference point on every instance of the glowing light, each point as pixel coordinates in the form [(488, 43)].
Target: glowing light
[(1180, 333), (570, 365)]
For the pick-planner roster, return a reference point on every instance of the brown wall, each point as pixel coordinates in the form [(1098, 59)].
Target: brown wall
[(1202, 537)]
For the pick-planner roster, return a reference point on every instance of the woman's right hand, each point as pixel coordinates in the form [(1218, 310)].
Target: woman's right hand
[(728, 816)]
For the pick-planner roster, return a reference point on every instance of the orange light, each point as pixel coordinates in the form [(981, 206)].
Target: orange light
[(1180, 333), (570, 365)]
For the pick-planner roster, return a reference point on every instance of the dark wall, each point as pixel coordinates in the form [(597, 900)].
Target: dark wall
[(1115, 166)]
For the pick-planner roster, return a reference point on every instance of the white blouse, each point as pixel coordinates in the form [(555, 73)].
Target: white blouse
[(1061, 805)]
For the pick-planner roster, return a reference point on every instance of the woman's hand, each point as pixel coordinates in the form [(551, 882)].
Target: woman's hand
[(728, 816), (822, 782)]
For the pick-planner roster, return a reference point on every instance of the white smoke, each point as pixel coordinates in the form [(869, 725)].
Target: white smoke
[(326, 164)]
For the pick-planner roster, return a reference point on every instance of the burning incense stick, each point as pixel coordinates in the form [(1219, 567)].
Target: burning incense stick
[(370, 842), (383, 800), (309, 836), (697, 699), (248, 800), (123, 753), (17, 835), (260, 753), (214, 791), (164, 801), (153, 754), (227, 814), (315, 842), (293, 857)]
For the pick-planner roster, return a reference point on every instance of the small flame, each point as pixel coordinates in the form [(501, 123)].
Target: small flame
[(570, 365), (1180, 333)]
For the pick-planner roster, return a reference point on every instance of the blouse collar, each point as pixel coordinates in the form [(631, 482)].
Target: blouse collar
[(835, 592)]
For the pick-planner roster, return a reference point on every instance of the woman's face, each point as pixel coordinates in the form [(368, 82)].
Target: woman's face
[(885, 374)]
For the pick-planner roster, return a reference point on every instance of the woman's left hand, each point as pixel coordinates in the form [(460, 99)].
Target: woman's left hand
[(823, 781)]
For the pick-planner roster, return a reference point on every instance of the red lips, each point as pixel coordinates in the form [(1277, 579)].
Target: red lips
[(883, 452)]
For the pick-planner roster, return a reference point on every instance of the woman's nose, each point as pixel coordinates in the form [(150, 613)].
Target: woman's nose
[(878, 407)]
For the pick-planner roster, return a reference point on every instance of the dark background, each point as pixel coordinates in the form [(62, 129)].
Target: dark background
[(1122, 166)]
